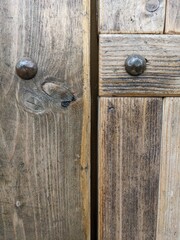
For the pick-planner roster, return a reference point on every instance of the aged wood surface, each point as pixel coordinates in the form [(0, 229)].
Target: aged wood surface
[(129, 159), (44, 122), (169, 196), (131, 16), (173, 17), (161, 77)]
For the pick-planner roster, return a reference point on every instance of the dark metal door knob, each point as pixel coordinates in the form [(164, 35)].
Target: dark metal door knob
[(26, 68), (135, 64)]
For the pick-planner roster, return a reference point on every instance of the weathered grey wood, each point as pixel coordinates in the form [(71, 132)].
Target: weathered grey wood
[(129, 158), (169, 192), (173, 17), (131, 16), (44, 137), (162, 75)]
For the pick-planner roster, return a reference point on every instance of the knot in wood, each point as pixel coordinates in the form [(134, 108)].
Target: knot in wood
[(58, 93)]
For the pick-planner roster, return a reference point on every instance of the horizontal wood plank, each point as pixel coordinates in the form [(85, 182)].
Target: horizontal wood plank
[(162, 74), (173, 17), (169, 191), (131, 16), (45, 122), (129, 159)]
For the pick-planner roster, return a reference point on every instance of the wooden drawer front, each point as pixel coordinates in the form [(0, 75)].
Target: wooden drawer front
[(139, 16), (162, 74), (132, 16)]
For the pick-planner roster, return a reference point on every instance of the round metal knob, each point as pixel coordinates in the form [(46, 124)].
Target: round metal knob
[(135, 64), (26, 68), (152, 5)]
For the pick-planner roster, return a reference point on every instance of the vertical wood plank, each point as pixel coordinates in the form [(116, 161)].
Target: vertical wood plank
[(44, 122), (131, 16), (173, 17), (169, 192), (129, 155)]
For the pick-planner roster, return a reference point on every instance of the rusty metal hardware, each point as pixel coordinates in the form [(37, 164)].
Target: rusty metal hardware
[(152, 5), (26, 68), (135, 64)]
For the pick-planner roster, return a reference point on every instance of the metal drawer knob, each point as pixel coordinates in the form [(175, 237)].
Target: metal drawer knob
[(26, 68), (135, 64)]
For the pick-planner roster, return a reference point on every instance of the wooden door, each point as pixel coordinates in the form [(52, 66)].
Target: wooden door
[(139, 119), (44, 120)]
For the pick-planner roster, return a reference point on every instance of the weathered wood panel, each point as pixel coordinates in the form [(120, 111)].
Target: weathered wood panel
[(161, 77), (173, 16), (169, 196), (44, 138), (129, 158), (131, 16)]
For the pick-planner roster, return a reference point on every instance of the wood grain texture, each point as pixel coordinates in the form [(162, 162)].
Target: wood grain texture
[(169, 193), (131, 16), (129, 158), (162, 75), (44, 122), (173, 17)]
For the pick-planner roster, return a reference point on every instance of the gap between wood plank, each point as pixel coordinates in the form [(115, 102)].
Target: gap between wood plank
[(165, 16), (94, 119)]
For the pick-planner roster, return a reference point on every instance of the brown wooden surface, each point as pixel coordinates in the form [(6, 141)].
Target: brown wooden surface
[(129, 158), (44, 147), (161, 77), (173, 16), (131, 16), (169, 192)]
